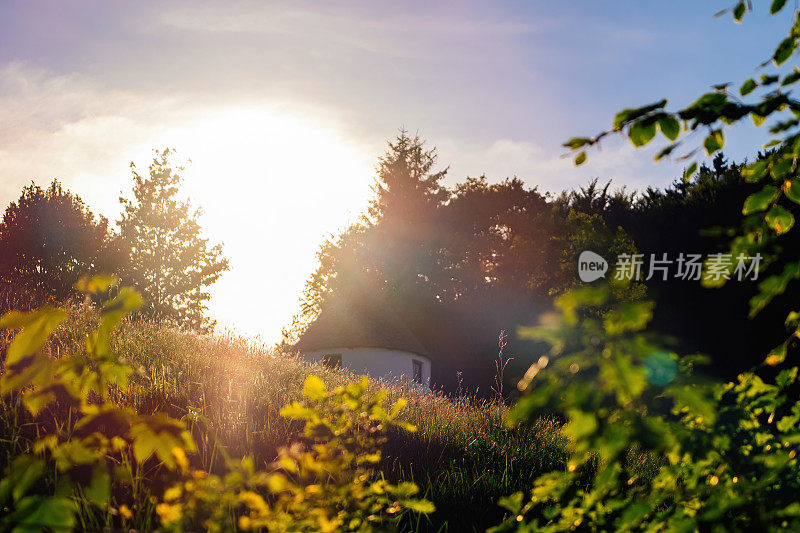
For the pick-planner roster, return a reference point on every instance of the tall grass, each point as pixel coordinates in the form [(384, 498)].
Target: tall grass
[(230, 390)]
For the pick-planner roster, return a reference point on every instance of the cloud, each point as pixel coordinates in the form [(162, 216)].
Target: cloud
[(62, 126), (273, 179)]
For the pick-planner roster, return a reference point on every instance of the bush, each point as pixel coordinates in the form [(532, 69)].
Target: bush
[(88, 453)]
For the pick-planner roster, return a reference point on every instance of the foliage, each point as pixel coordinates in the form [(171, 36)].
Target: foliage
[(394, 246), (589, 232), (768, 211), (473, 259), (726, 454), (327, 485), (98, 444), (406, 184), (463, 457), (48, 240), (171, 263)]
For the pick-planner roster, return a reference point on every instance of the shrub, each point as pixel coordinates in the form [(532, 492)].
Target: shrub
[(327, 484), (85, 446), (722, 457)]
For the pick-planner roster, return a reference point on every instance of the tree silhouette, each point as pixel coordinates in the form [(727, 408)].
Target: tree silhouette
[(171, 263), (405, 240), (48, 240)]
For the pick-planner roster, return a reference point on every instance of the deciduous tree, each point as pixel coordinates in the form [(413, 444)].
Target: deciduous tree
[(171, 262)]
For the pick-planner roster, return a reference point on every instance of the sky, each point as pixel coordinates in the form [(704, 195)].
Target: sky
[(281, 109)]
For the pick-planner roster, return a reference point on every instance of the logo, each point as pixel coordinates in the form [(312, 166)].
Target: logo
[(591, 266)]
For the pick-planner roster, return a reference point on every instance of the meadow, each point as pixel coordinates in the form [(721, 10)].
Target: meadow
[(229, 391)]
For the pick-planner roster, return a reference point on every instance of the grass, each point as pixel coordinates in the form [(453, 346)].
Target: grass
[(231, 389)]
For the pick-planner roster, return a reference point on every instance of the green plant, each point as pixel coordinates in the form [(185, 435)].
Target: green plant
[(83, 444), (719, 457), (327, 483), (724, 455), (170, 261)]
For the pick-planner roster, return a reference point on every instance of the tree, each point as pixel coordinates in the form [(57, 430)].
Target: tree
[(171, 263), (500, 236), (393, 247), (48, 240), (405, 239), (725, 453)]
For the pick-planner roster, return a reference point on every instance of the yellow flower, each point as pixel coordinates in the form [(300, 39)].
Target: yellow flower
[(125, 512)]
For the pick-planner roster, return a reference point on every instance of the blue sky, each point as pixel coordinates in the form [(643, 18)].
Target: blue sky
[(314, 90)]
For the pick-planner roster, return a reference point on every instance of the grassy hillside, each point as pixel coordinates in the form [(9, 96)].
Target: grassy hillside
[(231, 389)]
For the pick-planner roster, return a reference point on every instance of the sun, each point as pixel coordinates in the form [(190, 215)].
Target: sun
[(272, 186)]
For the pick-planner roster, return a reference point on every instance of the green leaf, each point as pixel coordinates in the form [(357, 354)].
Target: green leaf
[(127, 300), (419, 506), (714, 141), (781, 168), (791, 78), (624, 377), (37, 399), (577, 142), (738, 11), (632, 516), (759, 201), (748, 87), (642, 132), (670, 127), (628, 316), (581, 424), (580, 159), (691, 398), (97, 284), (776, 6), (314, 388), (755, 171), (777, 355), (99, 490), (37, 513), (786, 377), (36, 328), (627, 115), (666, 151), (512, 503), (791, 189), (772, 286), (689, 172), (22, 473), (157, 434), (780, 219), (784, 50)]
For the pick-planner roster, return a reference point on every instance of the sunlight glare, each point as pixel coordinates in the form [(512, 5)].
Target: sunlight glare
[(272, 187)]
